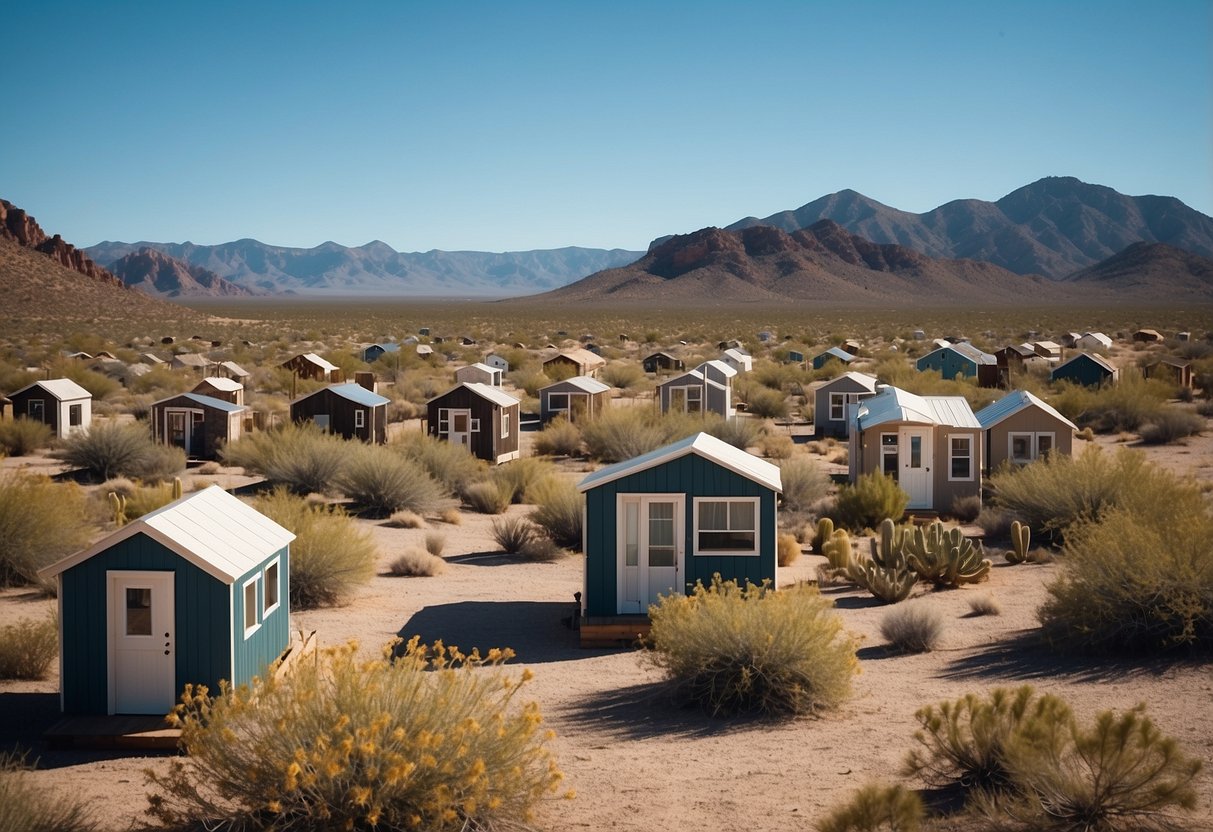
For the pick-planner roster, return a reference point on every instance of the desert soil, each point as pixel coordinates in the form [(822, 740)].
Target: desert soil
[(635, 761)]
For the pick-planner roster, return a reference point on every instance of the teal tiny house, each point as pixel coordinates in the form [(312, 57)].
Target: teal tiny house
[(194, 592), (660, 522)]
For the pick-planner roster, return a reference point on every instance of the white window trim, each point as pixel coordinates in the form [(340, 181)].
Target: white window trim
[(971, 456), (756, 552), (473, 425), (1033, 445), (255, 606), (359, 418), (552, 406), (265, 611), (505, 424)]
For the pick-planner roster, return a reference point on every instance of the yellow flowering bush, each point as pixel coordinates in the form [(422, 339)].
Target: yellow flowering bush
[(422, 738)]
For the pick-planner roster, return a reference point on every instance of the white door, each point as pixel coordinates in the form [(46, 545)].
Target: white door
[(915, 463), (142, 668), (461, 427), (650, 550)]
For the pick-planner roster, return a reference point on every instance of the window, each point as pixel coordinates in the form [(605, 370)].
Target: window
[(360, 418), (838, 406), (694, 400), (74, 416), (889, 454), (505, 424), (36, 410), (444, 421), (558, 401), (726, 526), (1023, 448), (475, 426), (138, 611), (250, 607), (960, 457), (269, 603)]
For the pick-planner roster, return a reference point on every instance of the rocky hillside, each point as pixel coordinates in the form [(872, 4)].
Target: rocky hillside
[(155, 273), (1150, 270), (19, 227), (1053, 227)]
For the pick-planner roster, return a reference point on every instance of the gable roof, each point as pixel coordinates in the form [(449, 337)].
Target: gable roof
[(896, 405), (211, 529), (584, 383), (738, 355), (349, 391), (493, 394), (192, 359), (205, 401), (1099, 362), (482, 367), (580, 355), (63, 389), (1097, 336), (867, 381), (700, 444), (965, 349), (836, 352), (234, 368), (1015, 402), (312, 358), (227, 385), (726, 370)]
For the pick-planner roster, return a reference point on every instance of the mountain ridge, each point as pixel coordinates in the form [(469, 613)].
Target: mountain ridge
[(155, 273)]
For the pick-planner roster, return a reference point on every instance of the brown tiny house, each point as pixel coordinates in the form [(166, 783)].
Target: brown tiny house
[(348, 410), (577, 399), (199, 425), (59, 403), (481, 418)]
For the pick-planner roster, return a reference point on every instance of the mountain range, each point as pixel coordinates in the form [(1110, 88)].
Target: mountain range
[(155, 273)]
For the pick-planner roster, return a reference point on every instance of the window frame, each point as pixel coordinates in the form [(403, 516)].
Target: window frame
[(359, 417), (75, 415), (266, 607), (891, 450), (952, 456), (756, 551), (254, 607), (1033, 438), (505, 424)]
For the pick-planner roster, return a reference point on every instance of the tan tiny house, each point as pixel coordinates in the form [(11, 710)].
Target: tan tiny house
[(219, 387), (577, 362), (1020, 428)]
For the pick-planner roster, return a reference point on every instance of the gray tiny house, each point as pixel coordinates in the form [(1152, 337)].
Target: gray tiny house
[(660, 522), (199, 425), (192, 593)]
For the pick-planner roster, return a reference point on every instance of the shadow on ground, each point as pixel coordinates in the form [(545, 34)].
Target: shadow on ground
[(646, 710), (25, 717), (533, 629)]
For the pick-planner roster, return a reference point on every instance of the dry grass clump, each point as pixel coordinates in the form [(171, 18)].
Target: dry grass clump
[(407, 520), (512, 533), (870, 499), (787, 550), (330, 555), (776, 445), (1171, 425), (112, 449), (301, 457), (40, 522), (913, 627), (967, 509), (382, 482), (540, 549), (435, 542), (486, 498), (414, 563), (560, 438), (452, 466), (209, 468), (27, 649), (416, 740), (738, 431), (732, 649), (26, 808), (145, 499), (766, 403), (558, 512), (451, 516), (625, 432), (22, 436), (877, 808), (804, 483), (985, 604), (517, 478)]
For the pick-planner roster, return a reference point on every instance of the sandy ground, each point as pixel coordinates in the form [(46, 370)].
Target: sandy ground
[(636, 762)]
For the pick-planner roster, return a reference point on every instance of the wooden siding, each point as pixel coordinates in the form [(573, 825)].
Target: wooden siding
[(583, 406), (340, 411), (692, 476), (487, 444), (217, 428), (950, 364), (1082, 370)]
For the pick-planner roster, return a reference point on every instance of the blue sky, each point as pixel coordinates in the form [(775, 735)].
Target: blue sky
[(515, 125)]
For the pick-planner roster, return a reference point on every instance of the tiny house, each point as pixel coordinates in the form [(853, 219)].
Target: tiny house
[(706, 389), (311, 366), (497, 362), (1020, 428), (220, 387), (478, 373), (1087, 370), (658, 523), (348, 410), (738, 359), (961, 359), (481, 418), (192, 593), (199, 425), (1173, 371), (832, 354), (662, 362), (832, 399), (191, 361), (577, 399), (578, 362), (373, 352), (59, 403)]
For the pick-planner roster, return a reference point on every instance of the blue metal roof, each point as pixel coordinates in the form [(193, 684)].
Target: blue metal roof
[(357, 394), (1013, 403), (840, 354), (211, 402)]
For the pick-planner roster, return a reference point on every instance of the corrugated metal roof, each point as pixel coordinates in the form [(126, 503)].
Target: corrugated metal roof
[(209, 401), (320, 362), (680, 380), (967, 350), (702, 444), (838, 353), (215, 531), (584, 383), (1014, 402), (63, 389), (228, 385), (719, 366), (863, 379), (358, 394), (493, 394), (896, 405), (1091, 356)]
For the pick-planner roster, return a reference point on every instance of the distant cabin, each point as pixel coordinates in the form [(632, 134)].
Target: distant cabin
[(1093, 341), (1020, 428), (347, 410), (219, 387), (832, 354), (481, 418), (191, 361), (832, 400), (151, 358), (479, 373), (59, 403), (962, 360), (192, 593), (852, 346), (374, 352), (1069, 340), (706, 389), (197, 424), (578, 399), (738, 359), (232, 370), (1086, 369), (1173, 371), (794, 357), (497, 362), (577, 362), (1048, 350), (1147, 336), (662, 362), (311, 366)]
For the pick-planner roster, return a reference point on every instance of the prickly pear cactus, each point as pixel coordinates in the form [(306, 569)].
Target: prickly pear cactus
[(946, 558), (1021, 536)]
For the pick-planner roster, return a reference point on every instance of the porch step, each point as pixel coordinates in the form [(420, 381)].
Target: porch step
[(621, 631), (145, 733)]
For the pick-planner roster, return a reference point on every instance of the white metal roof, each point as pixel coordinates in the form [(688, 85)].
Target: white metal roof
[(327, 366), (701, 444), (63, 389), (719, 366), (584, 383), (213, 530), (485, 391), (1014, 402), (896, 405), (863, 379), (228, 385), (1102, 362)]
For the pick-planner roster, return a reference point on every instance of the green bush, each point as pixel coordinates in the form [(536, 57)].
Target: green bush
[(330, 555), (486, 498), (113, 449), (413, 563), (1171, 425), (517, 478), (22, 436), (40, 522), (383, 482), (421, 740), (558, 512), (559, 438), (870, 499), (26, 808), (300, 457), (27, 649), (1124, 406), (730, 649), (623, 433), (512, 533), (804, 483), (914, 627), (452, 466), (767, 404), (877, 808)]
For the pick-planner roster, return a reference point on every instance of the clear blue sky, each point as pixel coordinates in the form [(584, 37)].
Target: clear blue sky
[(515, 125)]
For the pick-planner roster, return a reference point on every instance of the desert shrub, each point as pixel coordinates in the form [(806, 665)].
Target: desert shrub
[(804, 483), (984, 604), (733, 649), (110, 449), (540, 549), (451, 516), (776, 445), (209, 468), (1131, 581), (623, 433), (1171, 425), (558, 512), (738, 432), (435, 542), (159, 464), (414, 563), (383, 482), (995, 522), (22, 436), (27, 649), (622, 374), (40, 522), (122, 486), (486, 498), (512, 533), (147, 498), (401, 410), (913, 627), (330, 555), (766, 403), (1124, 406), (26, 808), (787, 549), (870, 499), (418, 740), (560, 438), (877, 808), (407, 520), (966, 509), (452, 466), (299, 456), (515, 479), (1205, 408)]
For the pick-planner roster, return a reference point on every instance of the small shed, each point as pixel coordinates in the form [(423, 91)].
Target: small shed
[(1048, 350), (794, 357), (497, 362), (1020, 428), (192, 593), (832, 399), (1093, 341), (199, 425), (311, 366), (1087, 370), (232, 370), (662, 362), (479, 373), (576, 362), (852, 346), (1147, 336), (221, 387), (578, 399), (481, 418), (706, 389), (738, 359), (373, 352), (660, 522), (60, 403), (348, 410), (1069, 340), (962, 359), (832, 354), (192, 361), (151, 358), (1171, 370)]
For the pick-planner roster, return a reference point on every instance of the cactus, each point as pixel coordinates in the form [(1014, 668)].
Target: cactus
[(118, 503), (825, 530), (946, 558), (889, 584), (890, 551), (838, 550), (1021, 535), (177, 488)]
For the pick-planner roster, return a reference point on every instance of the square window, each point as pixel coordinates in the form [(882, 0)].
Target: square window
[(726, 526)]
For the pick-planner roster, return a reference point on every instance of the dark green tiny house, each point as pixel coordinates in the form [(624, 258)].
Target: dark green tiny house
[(194, 592), (660, 522)]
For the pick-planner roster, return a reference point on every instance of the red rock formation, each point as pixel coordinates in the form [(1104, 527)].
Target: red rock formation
[(16, 224)]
